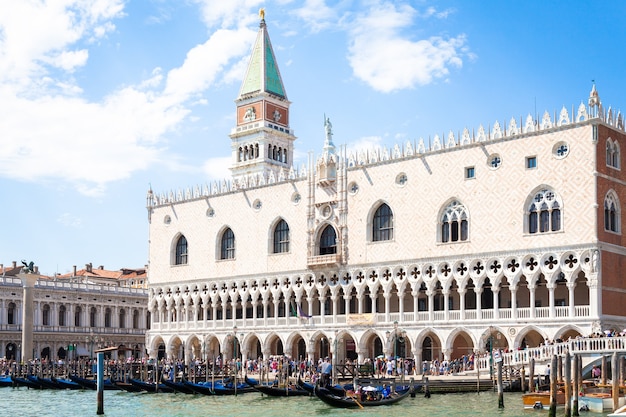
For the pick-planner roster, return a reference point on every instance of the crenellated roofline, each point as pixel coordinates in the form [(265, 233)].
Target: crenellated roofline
[(415, 149)]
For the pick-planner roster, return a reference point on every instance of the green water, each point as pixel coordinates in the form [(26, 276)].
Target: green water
[(24, 402)]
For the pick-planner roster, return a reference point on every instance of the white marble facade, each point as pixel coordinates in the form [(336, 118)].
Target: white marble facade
[(427, 250)]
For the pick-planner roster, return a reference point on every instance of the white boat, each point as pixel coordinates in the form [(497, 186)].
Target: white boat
[(620, 412)]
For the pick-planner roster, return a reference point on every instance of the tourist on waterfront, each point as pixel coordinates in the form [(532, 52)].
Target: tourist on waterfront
[(326, 371)]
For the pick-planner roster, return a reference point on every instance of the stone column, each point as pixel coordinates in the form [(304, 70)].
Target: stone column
[(462, 303), (28, 283), (571, 308)]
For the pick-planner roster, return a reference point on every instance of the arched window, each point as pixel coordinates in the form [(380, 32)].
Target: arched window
[(544, 213), (227, 245), (135, 319), (62, 314), (281, 237), (454, 223), (122, 318), (77, 313), (107, 317), (382, 224), (328, 241), (611, 213), (181, 251), (92, 317), (612, 153), (11, 314), (45, 317)]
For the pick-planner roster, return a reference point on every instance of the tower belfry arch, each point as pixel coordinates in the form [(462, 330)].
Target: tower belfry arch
[(262, 140)]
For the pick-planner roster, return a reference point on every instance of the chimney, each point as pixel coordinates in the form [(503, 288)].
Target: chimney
[(74, 269), (88, 267), (36, 269), (14, 264), (101, 267), (2, 268)]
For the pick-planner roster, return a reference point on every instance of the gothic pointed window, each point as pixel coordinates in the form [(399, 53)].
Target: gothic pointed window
[(454, 223), (181, 251), (328, 241), (382, 224), (281, 237), (227, 245), (612, 153), (611, 213), (544, 212)]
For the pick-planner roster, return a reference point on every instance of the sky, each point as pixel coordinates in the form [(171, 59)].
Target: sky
[(101, 100)]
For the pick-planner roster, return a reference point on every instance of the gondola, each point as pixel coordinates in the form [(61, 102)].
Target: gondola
[(150, 386), (25, 382), (64, 383), (127, 386), (351, 402), (46, 383), (219, 388), (277, 391), (6, 381), (93, 384), (178, 386), (335, 389)]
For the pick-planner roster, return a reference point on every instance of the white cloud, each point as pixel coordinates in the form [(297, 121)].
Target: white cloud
[(217, 169), (381, 56), (50, 132), (204, 62), (69, 220), (364, 144), (316, 15)]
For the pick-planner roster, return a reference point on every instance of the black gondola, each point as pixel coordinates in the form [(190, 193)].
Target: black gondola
[(127, 386), (66, 383), (277, 391), (352, 402), (335, 389), (93, 384), (178, 386), (150, 386), (25, 382), (6, 381), (207, 388)]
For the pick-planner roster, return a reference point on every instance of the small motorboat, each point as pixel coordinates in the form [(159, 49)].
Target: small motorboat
[(541, 399), (620, 412)]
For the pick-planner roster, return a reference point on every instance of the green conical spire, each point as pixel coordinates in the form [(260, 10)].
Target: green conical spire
[(262, 74)]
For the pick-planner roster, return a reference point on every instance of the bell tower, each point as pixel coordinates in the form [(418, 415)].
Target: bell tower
[(262, 140)]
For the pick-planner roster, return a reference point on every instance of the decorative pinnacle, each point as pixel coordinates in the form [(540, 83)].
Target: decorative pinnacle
[(262, 13)]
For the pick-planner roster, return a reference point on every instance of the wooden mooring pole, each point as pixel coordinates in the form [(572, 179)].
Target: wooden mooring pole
[(100, 386), (567, 377), (553, 387), (522, 379), (500, 387), (575, 385), (531, 375), (615, 380), (603, 371)]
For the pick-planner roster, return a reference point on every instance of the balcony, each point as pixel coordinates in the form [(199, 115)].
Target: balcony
[(324, 261)]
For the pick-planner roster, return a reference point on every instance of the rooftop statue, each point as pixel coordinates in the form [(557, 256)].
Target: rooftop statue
[(29, 268)]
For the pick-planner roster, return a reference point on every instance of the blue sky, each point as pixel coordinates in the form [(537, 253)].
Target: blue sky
[(102, 99)]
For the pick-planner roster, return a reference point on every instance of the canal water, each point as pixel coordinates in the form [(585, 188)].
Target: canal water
[(53, 403)]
